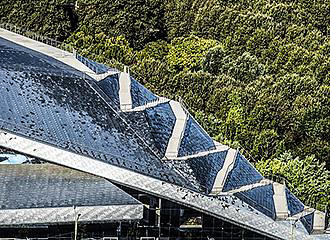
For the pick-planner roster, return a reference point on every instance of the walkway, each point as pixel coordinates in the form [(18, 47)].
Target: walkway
[(56, 53)]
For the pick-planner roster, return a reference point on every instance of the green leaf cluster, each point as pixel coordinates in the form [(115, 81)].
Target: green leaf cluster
[(308, 178)]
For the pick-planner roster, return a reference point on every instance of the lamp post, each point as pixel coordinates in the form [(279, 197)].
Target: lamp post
[(293, 222), (76, 218)]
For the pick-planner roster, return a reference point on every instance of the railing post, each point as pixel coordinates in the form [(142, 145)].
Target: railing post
[(327, 216)]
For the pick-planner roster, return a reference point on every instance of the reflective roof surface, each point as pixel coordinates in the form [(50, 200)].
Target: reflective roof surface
[(47, 185), (48, 101), (54, 104)]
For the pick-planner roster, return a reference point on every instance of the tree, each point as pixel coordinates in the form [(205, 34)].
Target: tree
[(48, 18), (188, 53), (101, 47), (308, 177), (140, 21)]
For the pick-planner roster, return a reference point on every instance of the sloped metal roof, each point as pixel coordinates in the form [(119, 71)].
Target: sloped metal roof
[(46, 193), (55, 114), (48, 185), (56, 105), (226, 207)]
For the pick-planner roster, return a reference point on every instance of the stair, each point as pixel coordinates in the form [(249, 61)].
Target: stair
[(223, 173), (125, 96), (280, 201), (151, 104), (178, 130)]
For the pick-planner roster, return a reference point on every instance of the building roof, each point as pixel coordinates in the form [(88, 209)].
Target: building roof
[(48, 185), (56, 112), (48, 188), (48, 101)]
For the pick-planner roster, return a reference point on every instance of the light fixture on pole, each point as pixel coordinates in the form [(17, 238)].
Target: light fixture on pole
[(76, 218)]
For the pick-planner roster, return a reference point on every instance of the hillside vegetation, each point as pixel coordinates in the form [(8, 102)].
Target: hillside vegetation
[(255, 73)]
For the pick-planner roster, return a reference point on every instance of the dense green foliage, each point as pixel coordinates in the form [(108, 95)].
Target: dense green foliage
[(255, 73), (48, 18), (301, 174)]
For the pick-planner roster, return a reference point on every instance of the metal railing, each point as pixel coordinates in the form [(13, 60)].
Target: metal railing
[(37, 37), (287, 183), (75, 53), (91, 64), (67, 49), (152, 103)]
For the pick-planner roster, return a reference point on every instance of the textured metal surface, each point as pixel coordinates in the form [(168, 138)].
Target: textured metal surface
[(261, 198), (194, 139), (141, 95), (139, 122), (110, 86), (308, 221), (228, 208), (203, 170), (66, 214), (161, 120), (54, 104), (47, 101), (61, 55), (9, 57), (243, 173), (294, 204), (24, 186)]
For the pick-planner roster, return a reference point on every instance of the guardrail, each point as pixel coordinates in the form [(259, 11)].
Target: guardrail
[(37, 37), (68, 49), (75, 53), (276, 178)]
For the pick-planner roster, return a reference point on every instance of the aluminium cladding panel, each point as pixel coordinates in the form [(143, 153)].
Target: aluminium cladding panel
[(234, 212), (110, 86), (194, 139), (140, 94), (294, 204), (308, 221), (19, 58), (261, 198), (243, 173), (161, 120), (98, 68), (26, 186), (139, 123), (202, 170), (15, 55), (64, 215), (137, 119), (65, 111)]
